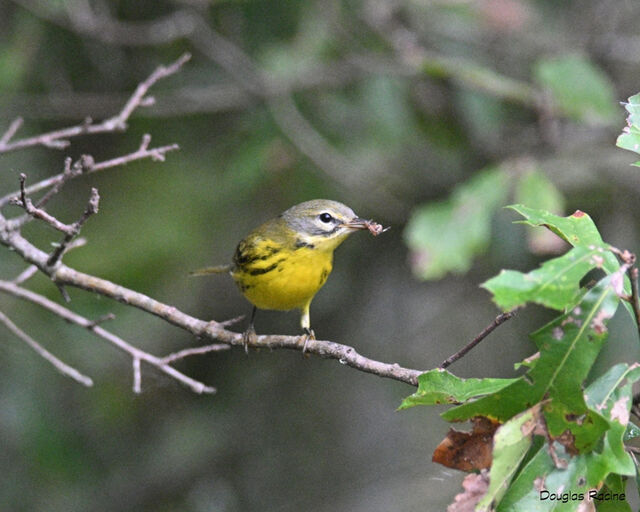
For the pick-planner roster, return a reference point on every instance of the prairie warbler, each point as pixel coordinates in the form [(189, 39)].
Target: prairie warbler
[(283, 263)]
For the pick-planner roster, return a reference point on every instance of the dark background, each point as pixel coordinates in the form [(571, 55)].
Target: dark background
[(386, 120)]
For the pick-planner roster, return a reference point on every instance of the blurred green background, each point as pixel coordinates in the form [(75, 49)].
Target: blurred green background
[(426, 116)]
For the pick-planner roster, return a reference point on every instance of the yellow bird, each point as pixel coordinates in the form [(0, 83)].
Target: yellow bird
[(283, 263)]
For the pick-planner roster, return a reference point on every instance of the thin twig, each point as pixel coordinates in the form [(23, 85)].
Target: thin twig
[(58, 139), (100, 320), (232, 321), (26, 274), (500, 319), (59, 365), (176, 356), (11, 131)]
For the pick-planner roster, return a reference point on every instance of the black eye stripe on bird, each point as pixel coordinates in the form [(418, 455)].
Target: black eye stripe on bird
[(284, 262)]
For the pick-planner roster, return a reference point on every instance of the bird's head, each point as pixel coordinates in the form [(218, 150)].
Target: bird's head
[(323, 223)]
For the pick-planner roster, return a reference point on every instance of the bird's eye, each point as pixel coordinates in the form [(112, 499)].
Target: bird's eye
[(325, 217)]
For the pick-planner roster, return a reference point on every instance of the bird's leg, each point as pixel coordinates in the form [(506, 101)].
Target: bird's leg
[(305, 322), (308, 335), (249, 335)]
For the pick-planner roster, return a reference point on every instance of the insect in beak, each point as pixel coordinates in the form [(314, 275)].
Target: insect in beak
[(358, 223)]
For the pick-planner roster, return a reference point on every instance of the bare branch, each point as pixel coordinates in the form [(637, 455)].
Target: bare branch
[(63, 275), (214, 331), (58, 139), (257, 84), (143, 152), (61, 366), (135, 353)]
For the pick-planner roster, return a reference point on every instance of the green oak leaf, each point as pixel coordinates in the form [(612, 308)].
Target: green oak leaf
[(441, 387), (556, 284), (578, 230)]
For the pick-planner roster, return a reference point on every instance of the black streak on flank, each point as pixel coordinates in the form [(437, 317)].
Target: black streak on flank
[(301, 243), (258, 271), (323, 276), (245, 254)]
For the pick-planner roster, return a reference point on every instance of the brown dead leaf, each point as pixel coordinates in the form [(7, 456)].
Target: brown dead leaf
[(468, 451)]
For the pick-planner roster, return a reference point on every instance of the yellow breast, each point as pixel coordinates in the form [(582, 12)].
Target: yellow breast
[(282, 278)]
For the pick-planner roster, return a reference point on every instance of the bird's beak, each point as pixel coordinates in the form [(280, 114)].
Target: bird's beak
[(374, 228), (356, 223)]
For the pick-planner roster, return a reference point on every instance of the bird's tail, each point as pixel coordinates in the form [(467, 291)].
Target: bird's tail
[(219, 269)]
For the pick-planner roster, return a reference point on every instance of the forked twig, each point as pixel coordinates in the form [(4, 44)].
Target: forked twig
[(143, 152), (91, 325)]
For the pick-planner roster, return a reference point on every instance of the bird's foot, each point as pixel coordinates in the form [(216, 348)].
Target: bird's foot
[(308, 335), (248, 336)]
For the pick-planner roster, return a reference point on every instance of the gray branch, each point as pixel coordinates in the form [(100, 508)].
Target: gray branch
[(64, 275), (162, 364)]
